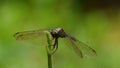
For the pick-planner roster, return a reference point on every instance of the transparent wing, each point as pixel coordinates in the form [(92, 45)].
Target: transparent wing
[(28, 34), (33, 36), (82, 49)]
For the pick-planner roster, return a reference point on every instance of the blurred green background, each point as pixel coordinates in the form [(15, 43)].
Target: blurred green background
[(95, 22)]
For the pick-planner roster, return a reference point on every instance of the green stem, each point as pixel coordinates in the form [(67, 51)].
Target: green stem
[(48, 49), (49, 57)]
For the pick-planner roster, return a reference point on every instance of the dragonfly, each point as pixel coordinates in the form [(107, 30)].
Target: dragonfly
[(80, 48)]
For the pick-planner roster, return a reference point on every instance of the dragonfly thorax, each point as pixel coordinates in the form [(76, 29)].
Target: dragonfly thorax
[(58, 32)]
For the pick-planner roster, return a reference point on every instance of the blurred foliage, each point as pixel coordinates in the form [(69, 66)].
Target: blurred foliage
[(95, 22)]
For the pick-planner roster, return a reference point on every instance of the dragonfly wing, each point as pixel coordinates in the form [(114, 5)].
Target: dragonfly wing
[(82, 49), (77, 50), (28, 34), (34, 36)]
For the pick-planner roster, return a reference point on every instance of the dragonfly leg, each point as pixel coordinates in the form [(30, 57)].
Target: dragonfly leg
[(55, 46)]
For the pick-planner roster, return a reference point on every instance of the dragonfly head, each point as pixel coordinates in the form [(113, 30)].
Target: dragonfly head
[(58, 32)]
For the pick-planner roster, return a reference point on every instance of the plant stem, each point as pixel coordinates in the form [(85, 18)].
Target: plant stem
[(48, 49), (49, 57)]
